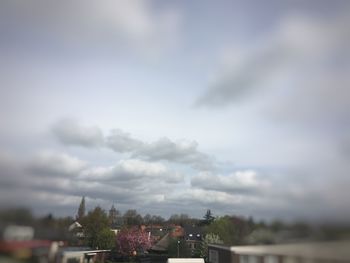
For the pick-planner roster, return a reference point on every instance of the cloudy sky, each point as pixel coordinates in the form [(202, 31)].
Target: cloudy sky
[(241, 107)]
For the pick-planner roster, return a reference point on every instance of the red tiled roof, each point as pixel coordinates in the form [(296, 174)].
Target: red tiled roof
[(16, 245)]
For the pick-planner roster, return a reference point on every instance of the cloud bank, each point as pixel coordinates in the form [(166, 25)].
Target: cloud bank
[(71, 133)]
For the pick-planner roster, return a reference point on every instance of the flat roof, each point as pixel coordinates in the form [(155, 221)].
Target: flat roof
[(185, 260), (82, 252), (336, 250)]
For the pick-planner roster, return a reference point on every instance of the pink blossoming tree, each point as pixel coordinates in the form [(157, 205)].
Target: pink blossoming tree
[(133, 241)]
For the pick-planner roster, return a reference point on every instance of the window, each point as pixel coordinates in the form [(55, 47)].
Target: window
[(290, 260), (213, 256), (243, 259), (270, 259), (248, 259)]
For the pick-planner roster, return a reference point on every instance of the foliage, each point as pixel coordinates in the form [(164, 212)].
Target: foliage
[(132, 218), (133, 241), (208, 217), (21, 216), (182, 219), (153, 219), (212, 239), (303, 230), (64, 222), (105, 239), (231, 230), (94, 226), (81, 210), (178, 246), (261, 236), (277, 226), (208, 239)]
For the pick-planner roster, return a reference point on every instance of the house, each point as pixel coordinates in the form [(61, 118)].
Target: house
[(18, 233), (155, 231), (74, 225), (193, 236), (176, 231), (77, 229), (162, 245), (27, 250)]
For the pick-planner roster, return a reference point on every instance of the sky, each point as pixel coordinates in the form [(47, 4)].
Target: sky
[(241, 107)]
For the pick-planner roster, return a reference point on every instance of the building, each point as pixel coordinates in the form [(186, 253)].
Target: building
[(193, 236), (81, 255), (325, 252), (185, 260)]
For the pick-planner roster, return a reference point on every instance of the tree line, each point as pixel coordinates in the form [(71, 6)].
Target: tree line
[(131, 217), (229, 229)]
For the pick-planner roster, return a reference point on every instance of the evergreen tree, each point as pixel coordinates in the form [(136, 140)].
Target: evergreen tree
[(208, 217), (81, 210)]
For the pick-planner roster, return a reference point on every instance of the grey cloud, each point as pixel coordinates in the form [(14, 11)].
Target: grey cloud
[(240, 182), (121, 141), (131, 170), (58, 164), (52, 174), (110, 25), (236, 84), (182, 151), (306, 91), (68, 187), (286, 201), (70, 132), (243, 192), (300, 48), (227, 90), (28, 197), (61, 171), (322, 100), (344, 145), (10, 172), (222, 203)]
